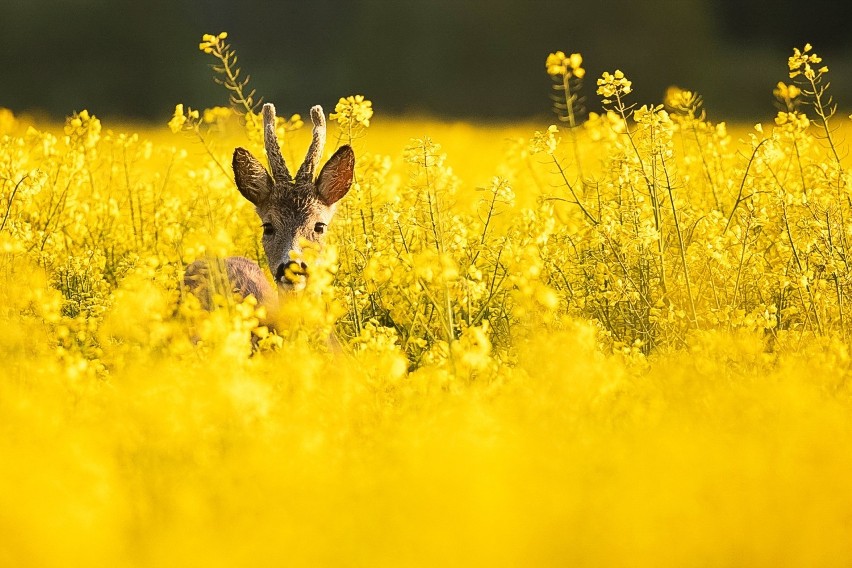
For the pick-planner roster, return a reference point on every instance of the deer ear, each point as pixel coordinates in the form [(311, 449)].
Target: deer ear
[(336, 176), (252, 179)]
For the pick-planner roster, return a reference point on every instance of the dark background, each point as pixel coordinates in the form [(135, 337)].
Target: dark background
[(135, 59)]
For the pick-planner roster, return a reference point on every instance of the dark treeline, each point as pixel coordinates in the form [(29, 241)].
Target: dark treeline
[(454, 58)]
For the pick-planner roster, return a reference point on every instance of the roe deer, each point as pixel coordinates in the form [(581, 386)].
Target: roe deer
[(290, 208)]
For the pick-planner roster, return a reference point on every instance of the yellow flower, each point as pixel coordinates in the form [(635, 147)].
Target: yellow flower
[(545, 141), (614, 85), (178, 119), (786, 92), (642, 114), (84, 128), (575, 60), (473, 350), (216, 114), (558, 64), (353, 111), (797, 120), (7, 120), (210, 41), (682, 101), (651, 115), (555, 63), (294, 123), (800, 63)]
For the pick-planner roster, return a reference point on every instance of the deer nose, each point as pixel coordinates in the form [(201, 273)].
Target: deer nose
[(295, 268)]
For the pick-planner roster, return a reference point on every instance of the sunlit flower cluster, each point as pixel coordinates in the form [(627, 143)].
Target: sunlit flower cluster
[(545, 141), (353, 111), (83, 128), (560, 65), (210, 42), (683, 104), (217, 114), (786, 92), (795, 119), (803, 62), (180, 117), (608, 124), (7, 121), (614, 85), (648, 115)]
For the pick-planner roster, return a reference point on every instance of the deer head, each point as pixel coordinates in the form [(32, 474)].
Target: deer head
[(293, 208)]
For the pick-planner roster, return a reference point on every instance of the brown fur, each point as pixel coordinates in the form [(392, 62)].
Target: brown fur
[(234, 275)]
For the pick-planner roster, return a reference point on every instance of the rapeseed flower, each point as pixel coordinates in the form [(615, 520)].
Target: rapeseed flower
[(802, 62), (180, 118), (560, 65), (216, 114), (209, 42), (7, 120), (786, 92), (352, 111), (796, 119), (545, 141), (614, 85)]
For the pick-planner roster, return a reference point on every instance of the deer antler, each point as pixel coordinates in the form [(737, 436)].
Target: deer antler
[(306, 172), (280, 173)]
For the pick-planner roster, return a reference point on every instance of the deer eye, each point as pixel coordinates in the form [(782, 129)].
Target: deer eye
[(319, 228), (268, 229)]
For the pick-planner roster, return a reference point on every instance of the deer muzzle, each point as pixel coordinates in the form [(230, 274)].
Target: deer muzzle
[(291, 274)]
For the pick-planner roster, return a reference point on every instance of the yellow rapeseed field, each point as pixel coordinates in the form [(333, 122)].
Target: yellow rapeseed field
[(622, 340)]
